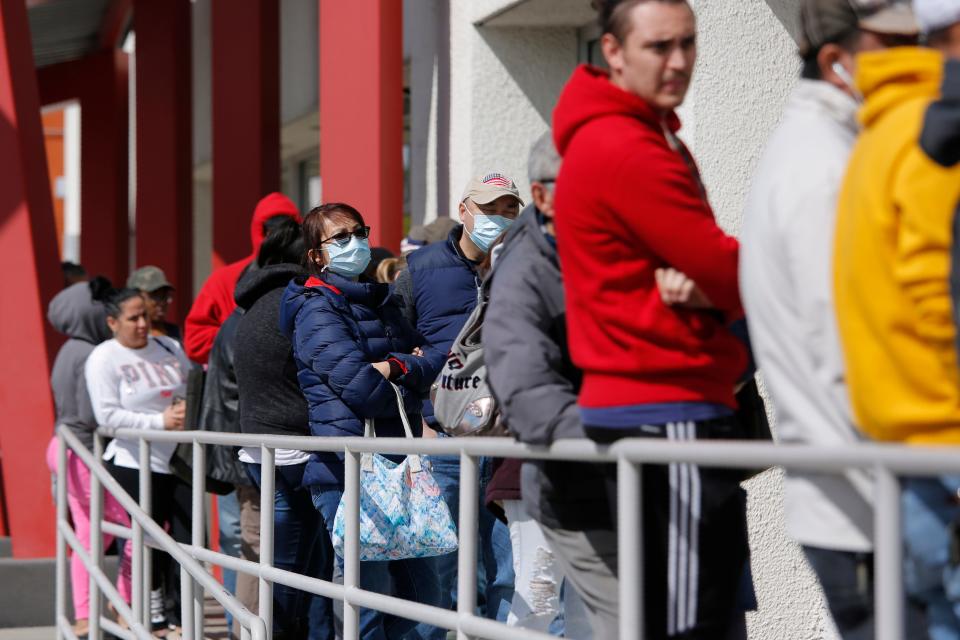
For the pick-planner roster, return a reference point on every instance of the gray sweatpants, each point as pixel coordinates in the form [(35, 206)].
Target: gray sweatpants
[(589, 561)]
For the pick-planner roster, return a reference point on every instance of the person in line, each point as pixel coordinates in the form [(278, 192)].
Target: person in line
[(138, 381), (350, 341), (157, 292), (239, 509), (215, 301), (629, 205), (76, 314), (390, 269), (73, 273), (271, 403), (438, 291), (785, 280), (422, 235), (895, 238), (530, 372)]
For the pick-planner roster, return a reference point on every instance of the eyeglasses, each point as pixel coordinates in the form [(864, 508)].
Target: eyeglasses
[(342, 239), (161, 296)]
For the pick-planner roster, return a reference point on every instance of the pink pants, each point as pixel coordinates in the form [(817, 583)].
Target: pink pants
[(78, 499)]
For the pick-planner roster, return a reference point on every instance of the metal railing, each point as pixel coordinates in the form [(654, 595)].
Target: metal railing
[(887, 462)]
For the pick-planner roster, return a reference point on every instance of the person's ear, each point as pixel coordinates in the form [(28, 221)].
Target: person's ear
[(462, 210), (315, 256), (114, 324), (538, 194), (830, 55), (612, 50)]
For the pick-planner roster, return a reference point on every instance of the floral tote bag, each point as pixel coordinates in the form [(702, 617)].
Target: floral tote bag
[(402, 511)]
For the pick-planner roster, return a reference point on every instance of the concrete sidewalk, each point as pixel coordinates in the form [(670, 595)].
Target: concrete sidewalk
[(215, 626), (29, 633)]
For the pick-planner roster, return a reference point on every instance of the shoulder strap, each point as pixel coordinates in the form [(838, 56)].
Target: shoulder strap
[(163, 346)]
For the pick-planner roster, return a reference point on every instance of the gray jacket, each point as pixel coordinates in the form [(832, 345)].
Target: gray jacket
[(533, 378), (74, 313)]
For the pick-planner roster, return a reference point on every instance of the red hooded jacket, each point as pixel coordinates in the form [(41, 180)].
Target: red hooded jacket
[(215, 301), (627, 203)]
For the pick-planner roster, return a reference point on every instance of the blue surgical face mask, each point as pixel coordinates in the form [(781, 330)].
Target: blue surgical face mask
[(351, 260), (487, 228)]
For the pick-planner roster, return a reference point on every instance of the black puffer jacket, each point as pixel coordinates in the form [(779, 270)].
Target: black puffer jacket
[(529, 370), (219, 411)]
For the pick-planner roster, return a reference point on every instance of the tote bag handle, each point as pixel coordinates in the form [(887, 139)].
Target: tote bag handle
[(369, 431)]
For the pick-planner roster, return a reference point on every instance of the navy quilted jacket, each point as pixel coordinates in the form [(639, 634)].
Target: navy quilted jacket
[(438, 291), (338, 328)]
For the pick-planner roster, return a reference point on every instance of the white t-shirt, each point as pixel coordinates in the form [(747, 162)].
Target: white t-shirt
[(281, 457), (130, 388)]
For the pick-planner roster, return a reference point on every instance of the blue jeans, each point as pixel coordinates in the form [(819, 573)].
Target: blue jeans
[(495, 576), (408, 579), (298, 547), (228, 513), (930, 515)]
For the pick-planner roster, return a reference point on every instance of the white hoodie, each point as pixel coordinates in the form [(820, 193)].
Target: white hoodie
[(786, 285)]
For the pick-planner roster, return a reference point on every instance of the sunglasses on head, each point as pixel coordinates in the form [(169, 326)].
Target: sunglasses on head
[(343, 238)]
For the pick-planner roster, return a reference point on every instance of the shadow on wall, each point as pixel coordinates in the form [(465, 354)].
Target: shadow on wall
[(787, 13), (538, 60)]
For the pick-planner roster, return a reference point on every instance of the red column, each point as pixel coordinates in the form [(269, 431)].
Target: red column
[(164, 201), (28, 255), (246, 118), (99, 83), (361, 111)]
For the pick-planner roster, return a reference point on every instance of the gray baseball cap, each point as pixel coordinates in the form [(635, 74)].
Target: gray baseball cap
[(149, 279), (826, 21)]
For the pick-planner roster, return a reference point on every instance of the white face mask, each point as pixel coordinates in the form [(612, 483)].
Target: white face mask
[(487, 228)]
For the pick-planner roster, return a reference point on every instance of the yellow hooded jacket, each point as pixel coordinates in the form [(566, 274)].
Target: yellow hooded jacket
[(892, 259)]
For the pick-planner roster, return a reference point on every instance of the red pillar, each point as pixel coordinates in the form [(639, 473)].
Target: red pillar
[(361, 111), (99, 83), (164, 203), (28, 255), (246, 118)]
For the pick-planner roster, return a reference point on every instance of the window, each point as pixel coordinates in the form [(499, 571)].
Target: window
[(588, 38)]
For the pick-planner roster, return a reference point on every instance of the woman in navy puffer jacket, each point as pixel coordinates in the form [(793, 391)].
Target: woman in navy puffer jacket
[(349, 342)]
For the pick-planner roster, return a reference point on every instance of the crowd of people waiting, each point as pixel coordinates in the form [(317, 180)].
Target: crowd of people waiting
[(614, 307)]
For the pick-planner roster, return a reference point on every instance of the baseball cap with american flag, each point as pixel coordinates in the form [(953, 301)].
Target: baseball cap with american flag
[(487, 188)]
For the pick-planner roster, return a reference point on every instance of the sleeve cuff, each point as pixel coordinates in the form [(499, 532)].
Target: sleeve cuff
[(397, 368)]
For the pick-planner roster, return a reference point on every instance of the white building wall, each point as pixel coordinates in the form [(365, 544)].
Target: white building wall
[(504, 82)]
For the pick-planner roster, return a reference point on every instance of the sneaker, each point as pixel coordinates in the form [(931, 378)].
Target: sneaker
[(158, 619)]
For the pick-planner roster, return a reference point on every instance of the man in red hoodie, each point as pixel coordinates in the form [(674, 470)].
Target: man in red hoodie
[(631, 212), (215, 301)]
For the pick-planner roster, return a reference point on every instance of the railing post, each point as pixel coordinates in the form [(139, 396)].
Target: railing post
[(198, 530), (351, 543), (186, 606), (888, 557), (62, 572), (267, 491), (467, 552), (630, 549), (136, 571), (96, 540), (147, 554)]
